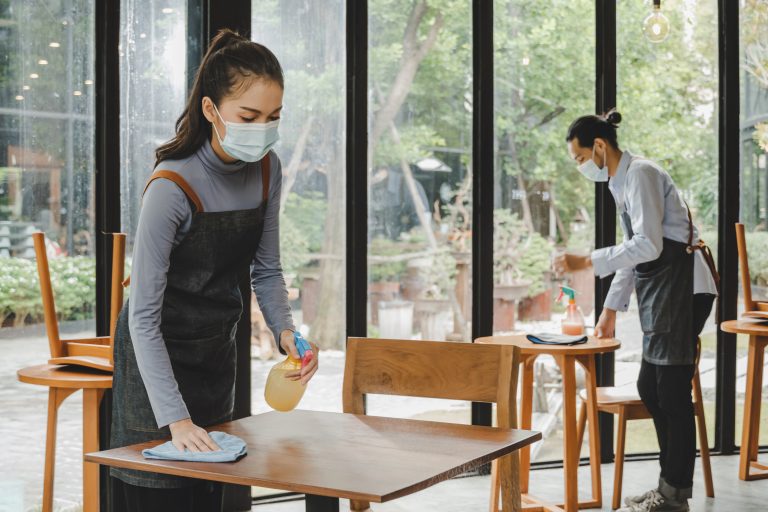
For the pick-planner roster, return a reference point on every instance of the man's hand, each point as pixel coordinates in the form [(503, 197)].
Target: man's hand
[(568, 262), (606, 325)]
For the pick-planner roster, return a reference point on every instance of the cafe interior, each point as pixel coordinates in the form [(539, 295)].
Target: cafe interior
[(471, 278)]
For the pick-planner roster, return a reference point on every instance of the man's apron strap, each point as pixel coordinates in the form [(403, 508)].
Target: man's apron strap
[(707, 253)]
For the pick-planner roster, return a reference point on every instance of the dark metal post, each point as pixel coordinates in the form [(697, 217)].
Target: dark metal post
[(605, 208), (728, 215), (357, 165), (482, 181)]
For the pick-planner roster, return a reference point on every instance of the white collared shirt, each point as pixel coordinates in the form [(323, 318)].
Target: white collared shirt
[(648, 195)]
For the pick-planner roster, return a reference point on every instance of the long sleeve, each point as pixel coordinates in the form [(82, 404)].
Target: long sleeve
[(266, 272), (622, 286), (645, 195), (164, 209)]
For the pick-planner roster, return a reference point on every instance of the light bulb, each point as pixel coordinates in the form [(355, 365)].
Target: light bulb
[(656, 25)]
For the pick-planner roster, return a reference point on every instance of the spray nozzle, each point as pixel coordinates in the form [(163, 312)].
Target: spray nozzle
[(570, 292), (304, 348)]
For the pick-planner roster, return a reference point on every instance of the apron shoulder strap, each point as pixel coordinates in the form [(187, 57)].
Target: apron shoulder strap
[(181, 182), (266, 171)]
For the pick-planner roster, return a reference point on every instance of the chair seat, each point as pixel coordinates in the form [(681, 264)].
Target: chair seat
[(94, 362), (64, 377), (610, 395)]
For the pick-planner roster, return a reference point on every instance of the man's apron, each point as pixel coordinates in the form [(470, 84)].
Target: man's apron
[(202, 305)]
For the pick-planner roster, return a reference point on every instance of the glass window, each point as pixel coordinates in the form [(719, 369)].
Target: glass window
[(753, 19), (309, 39), (542, 204), (46, 184), (419, 181), (667, 95), (153, 51)]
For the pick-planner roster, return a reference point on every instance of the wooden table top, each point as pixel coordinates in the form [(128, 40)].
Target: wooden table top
[(341, 455), (593, 345), (746, 326), (64, 376)]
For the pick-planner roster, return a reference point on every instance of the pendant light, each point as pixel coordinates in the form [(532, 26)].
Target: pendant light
[(656, 25)]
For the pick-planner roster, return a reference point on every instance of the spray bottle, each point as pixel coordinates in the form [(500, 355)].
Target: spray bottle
[(573, 323), (281, 393)]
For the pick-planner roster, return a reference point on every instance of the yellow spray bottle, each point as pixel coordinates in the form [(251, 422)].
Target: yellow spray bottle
[(281, 393)]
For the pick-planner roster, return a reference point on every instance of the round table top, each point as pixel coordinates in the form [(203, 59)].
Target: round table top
[(593, 345), (746, 326), (61, 376)]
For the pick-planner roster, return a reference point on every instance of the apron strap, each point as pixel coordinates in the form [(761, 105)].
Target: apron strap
[(708, 258), (266, 170), (181, 182)]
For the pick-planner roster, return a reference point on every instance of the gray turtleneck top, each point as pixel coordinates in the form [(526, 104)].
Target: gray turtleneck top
[(164, 220)]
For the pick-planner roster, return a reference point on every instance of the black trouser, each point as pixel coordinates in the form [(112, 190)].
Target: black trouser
[(203, 497), (666, 393)]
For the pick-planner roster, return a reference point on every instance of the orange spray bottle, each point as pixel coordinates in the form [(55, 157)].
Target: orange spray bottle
[(573, 323)]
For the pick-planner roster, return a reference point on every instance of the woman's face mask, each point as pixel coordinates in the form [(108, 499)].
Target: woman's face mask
[(248, 142), (591, 171)]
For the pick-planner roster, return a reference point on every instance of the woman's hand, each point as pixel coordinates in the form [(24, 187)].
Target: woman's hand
[(186, 434), (289, 345), (567, 262), (606, 324)]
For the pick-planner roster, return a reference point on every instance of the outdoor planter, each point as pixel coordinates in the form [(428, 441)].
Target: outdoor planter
[(433, 318), (395, 319), (504, 304)]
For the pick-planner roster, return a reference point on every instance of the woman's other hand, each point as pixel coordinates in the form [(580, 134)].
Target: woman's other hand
[(187, 435), (288, 344)]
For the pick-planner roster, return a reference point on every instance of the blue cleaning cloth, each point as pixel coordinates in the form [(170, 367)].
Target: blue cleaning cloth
[(232, 449), (556, 339)]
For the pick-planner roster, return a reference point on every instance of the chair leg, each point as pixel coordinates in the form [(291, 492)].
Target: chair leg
[(508, 469), (581, 425), (698, 407), (91, 400), (495, 486), (619, 459), (55, 397)]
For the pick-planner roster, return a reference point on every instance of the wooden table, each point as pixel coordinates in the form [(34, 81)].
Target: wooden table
[(329, 456), (749, 467), (62, 381), (566, 358)]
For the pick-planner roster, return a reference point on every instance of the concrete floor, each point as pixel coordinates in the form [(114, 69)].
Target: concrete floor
[(472, 493)]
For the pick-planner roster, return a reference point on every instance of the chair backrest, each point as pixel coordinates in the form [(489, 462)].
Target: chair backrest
[(58, 347), (432, 369), (746, 283)]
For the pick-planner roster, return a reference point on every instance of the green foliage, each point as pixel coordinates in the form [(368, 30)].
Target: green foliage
[(385, 271), (757, 248), (74, 289), (439, 274), (301, 229), (519, 255)]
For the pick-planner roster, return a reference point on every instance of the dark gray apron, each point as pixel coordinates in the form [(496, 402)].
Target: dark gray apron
[(201, 308), (664, 290)]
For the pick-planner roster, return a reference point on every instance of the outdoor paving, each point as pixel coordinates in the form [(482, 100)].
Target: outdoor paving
[(24, 408)]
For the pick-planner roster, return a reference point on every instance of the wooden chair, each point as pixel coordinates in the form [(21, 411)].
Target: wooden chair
[(628, 406), (752, 308), (95, 352), (488, 373)]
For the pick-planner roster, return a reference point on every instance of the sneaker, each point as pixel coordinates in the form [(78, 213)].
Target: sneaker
[(656, 502)]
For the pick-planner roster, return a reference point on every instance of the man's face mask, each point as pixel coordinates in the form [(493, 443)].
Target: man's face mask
[(248, 142), (591, 171)]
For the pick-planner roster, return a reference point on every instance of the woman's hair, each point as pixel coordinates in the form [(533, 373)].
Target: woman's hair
[(588, 128), (232, 62)]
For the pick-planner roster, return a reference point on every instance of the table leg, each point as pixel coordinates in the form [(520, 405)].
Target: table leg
[(752, 400), (315, 503), (91, 399), (588, 362), (570, 449), (526, 415)]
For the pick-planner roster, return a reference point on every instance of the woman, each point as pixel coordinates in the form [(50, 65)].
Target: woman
[(210, 208), (673, 274)]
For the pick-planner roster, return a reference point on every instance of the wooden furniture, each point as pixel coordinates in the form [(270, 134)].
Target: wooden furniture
[(429, 369), (566, 358), (63, 381), (628, 406), (752, 308), (334, 455), (749, 467), (95, 352)]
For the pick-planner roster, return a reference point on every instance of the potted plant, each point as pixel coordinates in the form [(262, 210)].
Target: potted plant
[(432, 307), (510, 242), (385, 271)]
